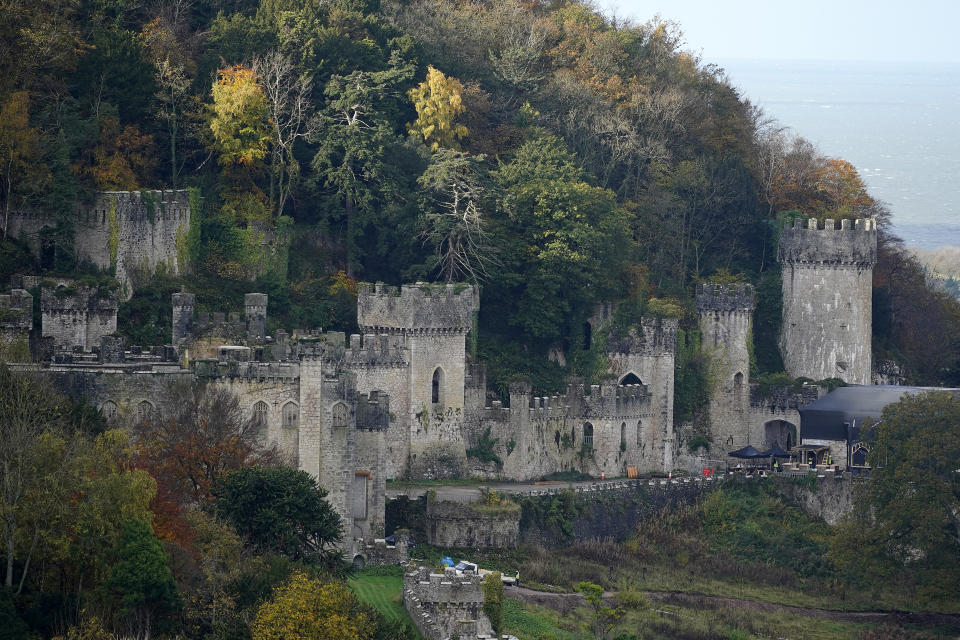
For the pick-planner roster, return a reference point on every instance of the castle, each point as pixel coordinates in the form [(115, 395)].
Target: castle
[(403, 399)]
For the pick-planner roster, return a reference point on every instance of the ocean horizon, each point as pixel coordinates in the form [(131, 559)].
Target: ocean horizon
[(895, 122)]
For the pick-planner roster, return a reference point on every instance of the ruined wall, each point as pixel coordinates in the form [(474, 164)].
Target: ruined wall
[(453, 524), (726, 313), (827, 299), (131, 231), (78, 317)]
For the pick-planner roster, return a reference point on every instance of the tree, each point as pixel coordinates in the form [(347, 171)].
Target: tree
[(493, 601), (238, 117), (140, 580), (202, 435), (282, 510), (438, 101), (604, 617), (455, 221), (34, 458), (908, 514), (19, 152), (306, 609), (291, 118)]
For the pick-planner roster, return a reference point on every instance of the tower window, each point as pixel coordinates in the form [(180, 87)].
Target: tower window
[(587, 435), (260, 414), (291, 415), (436, 386), (339, 415)]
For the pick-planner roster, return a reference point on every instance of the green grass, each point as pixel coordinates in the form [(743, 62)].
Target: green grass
[(383, 593), (530, 622)]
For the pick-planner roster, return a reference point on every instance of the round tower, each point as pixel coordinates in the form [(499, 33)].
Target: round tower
[(726, 313), (827, 299)]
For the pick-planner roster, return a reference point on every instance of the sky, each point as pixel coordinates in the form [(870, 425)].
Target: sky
[(878, 30)]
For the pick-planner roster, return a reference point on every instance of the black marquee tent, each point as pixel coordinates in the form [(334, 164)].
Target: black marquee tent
[(748, 452)]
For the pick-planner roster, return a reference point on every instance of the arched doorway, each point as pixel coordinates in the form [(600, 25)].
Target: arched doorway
[(781, 433)]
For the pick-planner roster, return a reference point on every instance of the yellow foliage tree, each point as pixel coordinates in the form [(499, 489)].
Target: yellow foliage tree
[(239, 117), (20, 151), (306, 609), (438, 101)]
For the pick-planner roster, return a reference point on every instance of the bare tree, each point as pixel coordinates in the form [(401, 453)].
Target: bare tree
[(291, 117)]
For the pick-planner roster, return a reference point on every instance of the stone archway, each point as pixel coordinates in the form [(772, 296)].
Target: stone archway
[(779, 432)]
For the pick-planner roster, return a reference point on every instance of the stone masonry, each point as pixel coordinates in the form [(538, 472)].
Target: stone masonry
[(445, 605), (827, 299)]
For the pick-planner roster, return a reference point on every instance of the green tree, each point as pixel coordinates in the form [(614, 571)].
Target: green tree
[(604, 617), (281, 510), (140, 581), (493, 601), (438, 101), (238, 117), (908, 515)]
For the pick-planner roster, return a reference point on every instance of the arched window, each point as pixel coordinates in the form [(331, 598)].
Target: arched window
[(630, 378), (738, 382), (587, 435), (109, 410), (260, 411), (291, 415), (641, 436), (436, 389), (573, 436), (623, 436), (144, 412), (858, 458), (339, 415)]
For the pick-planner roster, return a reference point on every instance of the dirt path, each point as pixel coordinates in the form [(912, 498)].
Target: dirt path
[(562, 601)]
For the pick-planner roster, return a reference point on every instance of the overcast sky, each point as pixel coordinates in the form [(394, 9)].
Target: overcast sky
[(917, 30)]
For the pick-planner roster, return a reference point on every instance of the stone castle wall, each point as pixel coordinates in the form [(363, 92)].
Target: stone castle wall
[(445, 605), (78, 317), (457, 525), (131, 231), (827, 299)]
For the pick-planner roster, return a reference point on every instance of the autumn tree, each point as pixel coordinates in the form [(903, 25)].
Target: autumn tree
[(239, 117), (307, 609), (20, 157), (438, 101)]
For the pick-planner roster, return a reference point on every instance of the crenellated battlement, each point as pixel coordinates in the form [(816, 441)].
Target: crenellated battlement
[(416, 308), (372, 350), (854, 243), (607, 400), (373, 411), (728, 298), (244, 369)]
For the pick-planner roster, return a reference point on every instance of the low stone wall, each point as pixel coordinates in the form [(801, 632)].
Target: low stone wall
[(381, 553), (453, 524), (560, 515)]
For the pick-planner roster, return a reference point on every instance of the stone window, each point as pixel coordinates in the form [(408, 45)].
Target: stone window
[(738, 382), (573, 436), (640, 434), (436, 392), (339, 415), (623, 436), (109, 410), (144, 412), (359, 495), (260, 411), (630, 378), (291, 415), (587, 435)]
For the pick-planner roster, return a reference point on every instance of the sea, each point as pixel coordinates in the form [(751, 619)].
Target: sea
[(897, 123)]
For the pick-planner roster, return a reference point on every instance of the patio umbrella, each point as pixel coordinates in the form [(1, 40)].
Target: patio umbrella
[(747, 452), (776, 452)]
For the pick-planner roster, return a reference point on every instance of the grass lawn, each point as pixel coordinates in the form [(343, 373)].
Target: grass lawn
[(383, 593)]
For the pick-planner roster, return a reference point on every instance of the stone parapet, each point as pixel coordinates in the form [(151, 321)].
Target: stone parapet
[(654, 337), (736, 297), (416, 308), (853, 244)]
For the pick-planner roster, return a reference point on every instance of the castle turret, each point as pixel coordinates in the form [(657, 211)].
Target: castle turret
[(183, 307), (255, 311), (432, 321), (726, 312), (827, 299)]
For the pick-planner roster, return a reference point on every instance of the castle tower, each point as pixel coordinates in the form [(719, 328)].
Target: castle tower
[(432, 321), (726, 312), (255, 311), (827, 299), (183, 306)]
